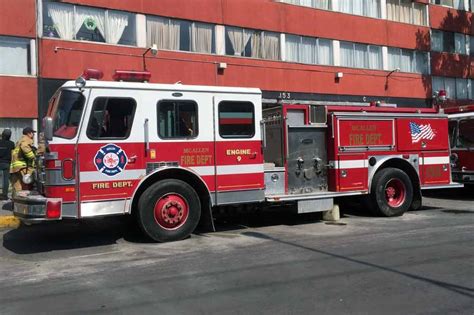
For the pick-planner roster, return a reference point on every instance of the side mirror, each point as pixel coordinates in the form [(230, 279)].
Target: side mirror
[(48, 128)]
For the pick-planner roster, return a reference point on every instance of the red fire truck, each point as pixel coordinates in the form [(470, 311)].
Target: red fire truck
[(171, 154), (461, 136)]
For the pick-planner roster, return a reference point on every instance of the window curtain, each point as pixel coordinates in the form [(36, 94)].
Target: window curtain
[(345, 6), (437, 83), (461, 89), (458, 4), (405, 11), (82, 13), (393, 58), (271, 46), (116, 23), (421, 62), (321, 4), (308, 50), (419, 14), (238, 38), (375, 57), (372, 8), (201, 38), (256, 42), (406, 59), (347, 54), (164, 33), (306, 3), (436, 40), (324, 52), (450, 87), (393, 10), (14, 56), (63, 19), (460, 43), (358, 7), (360, 56), (291, 46)]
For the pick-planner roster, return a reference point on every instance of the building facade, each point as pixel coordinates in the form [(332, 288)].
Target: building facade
[(338, 51)]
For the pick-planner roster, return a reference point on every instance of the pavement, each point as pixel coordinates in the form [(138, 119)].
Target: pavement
[(274, 262), (7, 220)]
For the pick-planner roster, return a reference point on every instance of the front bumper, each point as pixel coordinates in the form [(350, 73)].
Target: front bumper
[(31, 207)]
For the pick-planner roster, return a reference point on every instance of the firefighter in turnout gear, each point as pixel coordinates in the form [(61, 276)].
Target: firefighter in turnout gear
[(23, 160)]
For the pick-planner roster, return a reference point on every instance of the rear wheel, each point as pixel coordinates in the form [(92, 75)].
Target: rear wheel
[(169, 210), (392, 192)]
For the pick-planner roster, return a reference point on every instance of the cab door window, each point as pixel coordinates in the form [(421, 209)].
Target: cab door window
[(111, 118), (177, 119), (236, 119)]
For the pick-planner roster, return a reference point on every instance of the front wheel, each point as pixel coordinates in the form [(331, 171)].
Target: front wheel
[(391, 193), (169, 210)]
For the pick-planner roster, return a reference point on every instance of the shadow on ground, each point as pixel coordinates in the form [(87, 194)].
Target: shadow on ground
[(107, 231), (466, 193)]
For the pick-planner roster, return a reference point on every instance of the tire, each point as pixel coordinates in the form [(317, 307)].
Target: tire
[(168, 210), (391, 193)]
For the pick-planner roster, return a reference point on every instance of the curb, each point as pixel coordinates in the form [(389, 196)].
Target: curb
[(9, 221)]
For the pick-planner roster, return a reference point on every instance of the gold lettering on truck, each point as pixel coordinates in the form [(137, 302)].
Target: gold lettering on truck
[(231, 152)]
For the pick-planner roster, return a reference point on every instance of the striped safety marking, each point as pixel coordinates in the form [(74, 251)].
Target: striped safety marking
[(432, 160), (201, 170)]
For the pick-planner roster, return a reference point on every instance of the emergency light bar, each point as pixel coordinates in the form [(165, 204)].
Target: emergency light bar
[(132, 76), (92, 74)]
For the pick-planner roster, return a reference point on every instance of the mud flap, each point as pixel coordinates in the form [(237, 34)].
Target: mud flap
[(206, 223)]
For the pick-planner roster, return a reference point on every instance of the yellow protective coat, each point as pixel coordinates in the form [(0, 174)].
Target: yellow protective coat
[(23, 155)]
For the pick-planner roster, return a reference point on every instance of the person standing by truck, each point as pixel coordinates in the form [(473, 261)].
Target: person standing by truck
[(6, 147), (23, 159)]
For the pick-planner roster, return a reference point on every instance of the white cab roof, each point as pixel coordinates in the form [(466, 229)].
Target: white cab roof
[(162, 87)]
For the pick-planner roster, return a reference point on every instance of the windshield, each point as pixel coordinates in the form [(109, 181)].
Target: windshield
[(466, 133), (67, 113)]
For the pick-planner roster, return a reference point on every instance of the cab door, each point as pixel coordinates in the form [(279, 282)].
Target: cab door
[(238, 149), (110, 152)]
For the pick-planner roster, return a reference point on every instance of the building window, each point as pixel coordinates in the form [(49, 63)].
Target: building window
[(456, 88), (369, 8), (354, 55), (252, 43), (407, 60), (317, 4), (111, 118), (406, 11), (15, 54), (308, 50), (448, 42), (236, 119), (172, 34), (74, 22), (456, 4), (177, 119)]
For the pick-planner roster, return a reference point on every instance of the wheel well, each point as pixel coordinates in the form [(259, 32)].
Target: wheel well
[(409, 170), (175, 173)]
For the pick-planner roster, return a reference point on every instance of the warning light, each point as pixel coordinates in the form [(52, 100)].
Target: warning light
[(132, 76), (442, 95), (92, 74)]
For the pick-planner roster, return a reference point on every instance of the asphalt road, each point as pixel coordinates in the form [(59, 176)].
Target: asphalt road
[(266, 263)]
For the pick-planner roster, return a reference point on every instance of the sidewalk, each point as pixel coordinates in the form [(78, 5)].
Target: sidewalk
[(7, 220)]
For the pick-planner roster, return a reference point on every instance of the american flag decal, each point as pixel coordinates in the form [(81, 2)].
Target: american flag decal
[(419, 132)]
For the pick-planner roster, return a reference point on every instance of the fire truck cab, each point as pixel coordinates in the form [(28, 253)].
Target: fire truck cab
[(170, 154), (461, 136)]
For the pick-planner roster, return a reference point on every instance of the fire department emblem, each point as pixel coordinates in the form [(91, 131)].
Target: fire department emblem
[(110, 160)]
